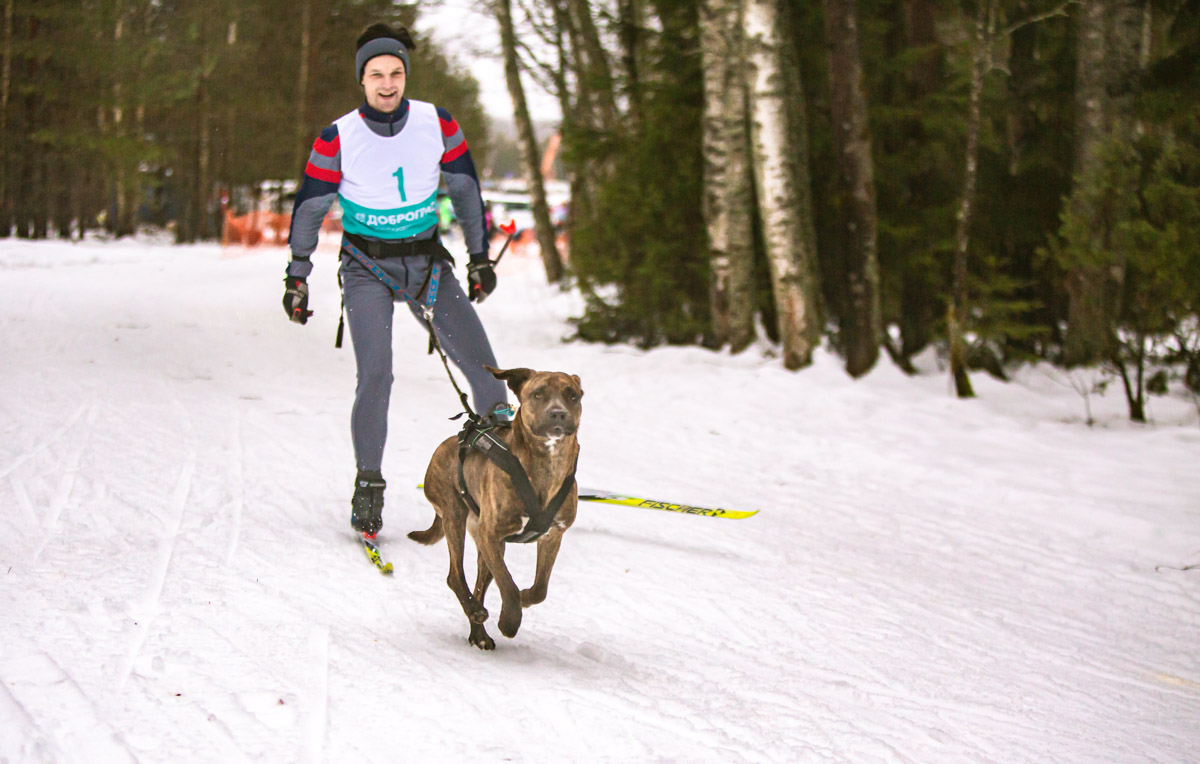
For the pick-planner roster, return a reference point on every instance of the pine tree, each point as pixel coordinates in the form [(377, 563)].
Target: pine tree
[(861, 322)]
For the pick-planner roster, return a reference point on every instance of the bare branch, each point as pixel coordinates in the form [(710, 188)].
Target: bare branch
[(543, 29), (1058, 10), (543, 74)]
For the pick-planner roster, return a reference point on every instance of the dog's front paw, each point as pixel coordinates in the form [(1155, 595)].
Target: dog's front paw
[(510, 621), (532, 596), (477, 614), (480, 638)]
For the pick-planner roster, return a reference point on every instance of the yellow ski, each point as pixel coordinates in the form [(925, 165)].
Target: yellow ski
[(373, 555), (604, 497)]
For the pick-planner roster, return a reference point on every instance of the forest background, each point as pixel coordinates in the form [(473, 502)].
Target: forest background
[(1003, 180)]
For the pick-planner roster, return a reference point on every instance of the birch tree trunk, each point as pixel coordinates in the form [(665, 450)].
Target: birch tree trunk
[(727, 197), (791, 260), (739, 196), (714, 55), (529, 150), (862, 325), (956, 312)]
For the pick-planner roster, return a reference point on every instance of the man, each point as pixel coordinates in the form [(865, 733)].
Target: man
[(383, 162)]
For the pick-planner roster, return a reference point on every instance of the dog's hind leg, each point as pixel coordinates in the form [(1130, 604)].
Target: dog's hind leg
[(456, 536), (492, 552), (479, 636), (547, 552)]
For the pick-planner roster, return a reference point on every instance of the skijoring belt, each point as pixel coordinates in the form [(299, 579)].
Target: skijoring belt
[(477, 435), (431, 247), (429, 288)]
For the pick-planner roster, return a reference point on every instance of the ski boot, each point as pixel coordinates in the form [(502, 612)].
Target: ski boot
[(366, 508)]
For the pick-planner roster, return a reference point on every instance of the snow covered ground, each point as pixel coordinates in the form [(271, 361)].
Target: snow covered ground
[(927, 579)]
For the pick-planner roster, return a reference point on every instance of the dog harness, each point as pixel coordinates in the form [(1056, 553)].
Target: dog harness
[(477, 435)]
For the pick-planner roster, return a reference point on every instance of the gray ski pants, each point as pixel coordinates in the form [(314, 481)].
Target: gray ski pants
[(369, 311)]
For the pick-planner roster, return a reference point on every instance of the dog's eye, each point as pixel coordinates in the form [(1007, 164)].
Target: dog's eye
[(538, 395)]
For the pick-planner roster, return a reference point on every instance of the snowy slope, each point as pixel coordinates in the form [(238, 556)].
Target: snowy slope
[(927, 579)]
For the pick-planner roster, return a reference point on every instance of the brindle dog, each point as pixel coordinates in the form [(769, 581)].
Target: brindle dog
[(543, 438)]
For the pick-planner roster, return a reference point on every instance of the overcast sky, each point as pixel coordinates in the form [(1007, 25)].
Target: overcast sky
[(474, 39)]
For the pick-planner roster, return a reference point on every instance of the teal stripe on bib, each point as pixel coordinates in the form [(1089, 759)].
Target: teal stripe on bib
[(399, 223)]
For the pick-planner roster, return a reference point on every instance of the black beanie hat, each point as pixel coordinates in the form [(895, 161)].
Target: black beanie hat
[(380, 46)]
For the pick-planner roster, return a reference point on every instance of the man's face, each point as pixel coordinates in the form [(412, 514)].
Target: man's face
[(383, 81)]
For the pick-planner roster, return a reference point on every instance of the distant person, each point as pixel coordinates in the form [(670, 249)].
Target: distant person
[(445, 214), (558, 218), (382, 161)]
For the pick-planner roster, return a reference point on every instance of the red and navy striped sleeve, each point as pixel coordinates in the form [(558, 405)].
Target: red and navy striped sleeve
[(452, 137), (318, 190), (458, 170), (325, 161)]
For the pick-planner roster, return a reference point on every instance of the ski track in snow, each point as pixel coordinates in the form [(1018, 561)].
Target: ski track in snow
[(151, 604), (67, 483), (54, 438), (318, 651), (926, 580), (237, 504)]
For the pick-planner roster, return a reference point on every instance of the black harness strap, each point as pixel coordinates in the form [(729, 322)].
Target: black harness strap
[(476, 435), (431, 248), (337, 342)]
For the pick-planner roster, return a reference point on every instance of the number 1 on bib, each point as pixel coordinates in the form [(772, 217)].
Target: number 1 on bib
[(399, 176)]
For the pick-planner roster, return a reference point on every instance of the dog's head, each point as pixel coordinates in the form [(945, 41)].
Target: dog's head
[(551, 401)]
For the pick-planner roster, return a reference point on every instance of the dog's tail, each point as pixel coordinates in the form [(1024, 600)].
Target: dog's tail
[(431, 535)]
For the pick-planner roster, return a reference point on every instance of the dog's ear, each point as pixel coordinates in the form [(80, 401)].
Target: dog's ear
[(578, 384), (516, 378)]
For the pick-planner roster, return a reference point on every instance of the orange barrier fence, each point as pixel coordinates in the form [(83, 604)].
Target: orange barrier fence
[(521, 244), (271, 228), (252, 229)]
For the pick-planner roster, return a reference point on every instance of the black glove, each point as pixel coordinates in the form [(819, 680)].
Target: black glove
[(295, 299), (481, 280)]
